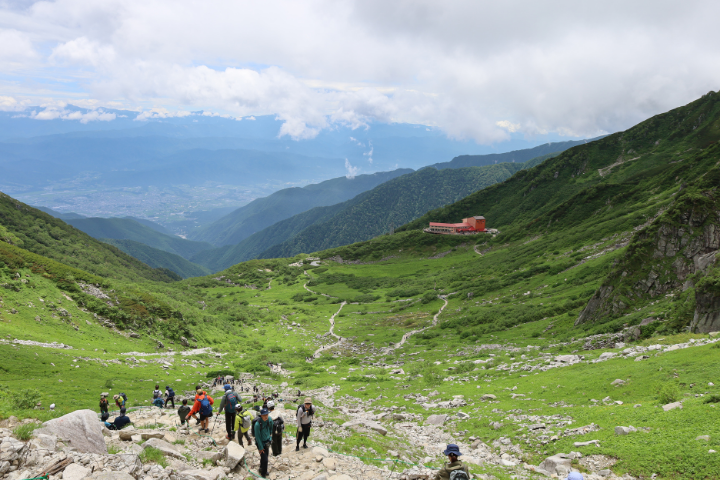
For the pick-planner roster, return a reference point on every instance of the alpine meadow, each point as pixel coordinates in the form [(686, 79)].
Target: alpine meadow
[(359, 240)]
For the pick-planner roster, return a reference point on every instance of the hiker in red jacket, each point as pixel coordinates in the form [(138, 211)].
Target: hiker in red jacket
[(203, 405)]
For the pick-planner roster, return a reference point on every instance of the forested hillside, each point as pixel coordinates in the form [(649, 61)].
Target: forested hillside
[(263, 212), (129, 229), (393, 203), (159, 258), (40, 233)]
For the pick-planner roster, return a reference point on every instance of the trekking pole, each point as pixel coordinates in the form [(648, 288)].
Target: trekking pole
[(213, 429)]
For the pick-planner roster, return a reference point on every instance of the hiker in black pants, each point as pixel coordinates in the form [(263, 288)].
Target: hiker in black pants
[(263, 438), (170, 396), (278, 429), (305, 415), (228, 403)]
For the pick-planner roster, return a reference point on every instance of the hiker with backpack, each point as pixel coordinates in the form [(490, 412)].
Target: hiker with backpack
[(157, 393), (278, 429), (263, 439), (243, 422), (104, 404), (120, 400), (304, 416), (228, 403), (203, 405), (454, 469), (169, 396), (183, 411)]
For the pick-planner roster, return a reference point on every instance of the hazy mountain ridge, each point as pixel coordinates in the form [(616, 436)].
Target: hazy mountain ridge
[(285, 203)]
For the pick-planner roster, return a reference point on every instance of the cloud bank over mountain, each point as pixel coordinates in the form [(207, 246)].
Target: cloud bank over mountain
[(478, 70)]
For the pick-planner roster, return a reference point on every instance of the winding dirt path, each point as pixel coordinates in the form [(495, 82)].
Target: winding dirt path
[(332, 332), (410, 334), (315, 293)]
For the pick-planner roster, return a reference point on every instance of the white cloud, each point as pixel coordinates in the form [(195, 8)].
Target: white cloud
[(351, 171), (370, 153), (53, 113), (476, 69), (160, 112)]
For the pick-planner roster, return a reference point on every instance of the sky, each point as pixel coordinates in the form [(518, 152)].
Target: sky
[(478, 70)]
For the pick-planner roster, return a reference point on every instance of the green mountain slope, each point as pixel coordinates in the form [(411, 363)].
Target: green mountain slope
[(604, 165), (395, 202), (50, 237), (263, 212), (253, 246), (159, 258), (516, 156), (127, 229)]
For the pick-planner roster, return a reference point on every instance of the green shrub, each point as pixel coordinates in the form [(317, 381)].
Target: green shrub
[(153, 455), (219, 373), (713, 399), (24, 432), (112, 450), (668, 393), (25, 399)]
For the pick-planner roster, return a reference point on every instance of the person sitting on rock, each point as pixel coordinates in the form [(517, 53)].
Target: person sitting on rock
[(454, 465), (183, 412), (158, 402), (120, 421), (263, 439)]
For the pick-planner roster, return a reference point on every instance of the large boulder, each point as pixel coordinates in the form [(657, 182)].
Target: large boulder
[(233, 454), (45, 442), (80, 429), (436, 420), (558, 464), (165, 447)]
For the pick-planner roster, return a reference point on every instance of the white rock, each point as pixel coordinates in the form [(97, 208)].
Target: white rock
[(79, 429), (45, 442), (75, 472), (233, 454), (551, 464), (320, 451), (436, 420), (200, 474), (672, 406), (112, 476), (163, 446)]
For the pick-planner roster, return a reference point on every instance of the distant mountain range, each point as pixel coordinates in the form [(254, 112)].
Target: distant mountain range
[(157, 258), (263, 212)]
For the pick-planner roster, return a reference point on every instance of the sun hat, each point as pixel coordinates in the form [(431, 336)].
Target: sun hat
[(227, 387), (575, 476), (452, 448), (308, 400), (264, 411)]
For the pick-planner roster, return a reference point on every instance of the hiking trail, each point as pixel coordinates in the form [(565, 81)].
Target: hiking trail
[(331, 332), (315, 293), (410, 334)]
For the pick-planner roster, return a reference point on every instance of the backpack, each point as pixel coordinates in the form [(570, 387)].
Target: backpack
[(311, 412), (459, 474), (205, 407), (278, 426), (171, 392), (157, 394), (246, 422), (232, 401), (124, 397)]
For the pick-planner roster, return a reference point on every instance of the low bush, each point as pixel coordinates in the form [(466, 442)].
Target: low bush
[(24, 431)]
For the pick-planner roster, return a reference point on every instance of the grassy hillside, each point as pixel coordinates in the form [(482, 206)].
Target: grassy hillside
[(393, 203), (263, 212), (432, 325), (516, 156), (159, 258), (128, 229), (45, 235)]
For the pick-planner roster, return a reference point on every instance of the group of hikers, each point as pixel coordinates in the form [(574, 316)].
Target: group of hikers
[(262, 423)]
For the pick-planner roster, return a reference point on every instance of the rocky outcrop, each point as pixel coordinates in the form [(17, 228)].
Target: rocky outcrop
[(707, 313), (666, 256), (80, 429)]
